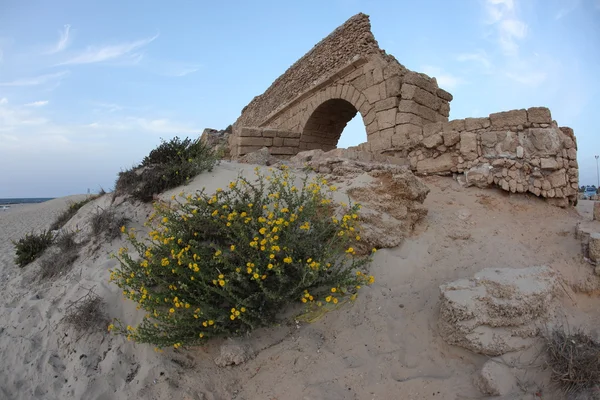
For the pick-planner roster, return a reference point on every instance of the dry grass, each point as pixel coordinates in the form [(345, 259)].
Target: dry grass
[(106, 223), (87, 313), (574, 360), (62, 258)]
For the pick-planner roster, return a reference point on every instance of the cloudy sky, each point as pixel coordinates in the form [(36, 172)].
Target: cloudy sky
[(87, 90)]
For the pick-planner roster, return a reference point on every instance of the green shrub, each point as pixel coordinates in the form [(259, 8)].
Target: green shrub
[(224, 264), (67, 214), (31, 246), (171, 164)]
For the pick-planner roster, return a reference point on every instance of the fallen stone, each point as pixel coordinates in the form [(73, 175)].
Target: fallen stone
[(233, 353), (478, 175), (495, 379), (594, 247), (499, 310), (442, 164), (259, 157)]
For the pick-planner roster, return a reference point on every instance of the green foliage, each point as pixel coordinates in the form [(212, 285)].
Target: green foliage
[(71, 210), (31, 246), (225, 264), (171, 164)]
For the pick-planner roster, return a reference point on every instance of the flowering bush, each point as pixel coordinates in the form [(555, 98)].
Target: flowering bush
[(31, 246), (227, 263)]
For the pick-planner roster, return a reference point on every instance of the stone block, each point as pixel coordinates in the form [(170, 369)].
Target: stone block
[(392, 86), (255, 141), (251, 132), (427, 99), (549, 163), (409, 130), (468, 145), (418, 109), (441, 93), (381, 140), (372, 94), (445, 109), (431, 129), (278, 141), (372, 127), (407, 118), (557, 179), (539, 115), (390, 102), (433, 141), (454, 125), (289, 134), (247, 149), (596, 215), (489, 139), (420, 80), (594, 247), (284, 150), (387, 118), (572, 154), (472, 124), (291, 142), (269, 132), (508, 118), (407, 92), (496, 379), (442, 164), (451, 138)]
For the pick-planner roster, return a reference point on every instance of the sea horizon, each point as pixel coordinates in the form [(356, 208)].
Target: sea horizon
[(24, 200)]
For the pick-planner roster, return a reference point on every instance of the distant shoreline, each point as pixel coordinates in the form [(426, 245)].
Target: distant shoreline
[(24, 200)]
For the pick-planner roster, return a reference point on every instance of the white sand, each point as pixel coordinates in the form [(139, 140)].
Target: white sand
[(384, 346)]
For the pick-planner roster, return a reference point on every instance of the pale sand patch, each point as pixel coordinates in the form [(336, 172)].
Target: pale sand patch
[(383, 346)]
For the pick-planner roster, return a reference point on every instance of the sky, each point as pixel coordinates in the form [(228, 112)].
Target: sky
[(88, 88)]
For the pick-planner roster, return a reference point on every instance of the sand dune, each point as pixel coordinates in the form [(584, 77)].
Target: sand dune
[(383, 346)]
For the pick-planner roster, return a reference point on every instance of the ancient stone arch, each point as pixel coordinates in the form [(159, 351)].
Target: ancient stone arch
[(405, 115)]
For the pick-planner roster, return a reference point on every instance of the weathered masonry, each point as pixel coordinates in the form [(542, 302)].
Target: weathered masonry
[(405, 115)]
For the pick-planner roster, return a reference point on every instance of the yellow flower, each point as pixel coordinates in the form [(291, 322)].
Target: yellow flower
[(255, 276), (243, 309), (111, 327), (357, 237), (270, 266), (211, 322), (123, 229), (221, 282), (374, 250), (328, 299), (232, 247), (172, 310), (201, 335), (333, 290), (217, 253), (335, 301), (232, 317), (165, 220), (371, 279), (350, 250), (303, 300)]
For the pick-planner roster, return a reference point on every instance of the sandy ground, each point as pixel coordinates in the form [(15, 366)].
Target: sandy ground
[(383, 346)]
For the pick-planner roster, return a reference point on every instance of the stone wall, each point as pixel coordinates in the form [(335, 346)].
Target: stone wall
[(519, 151)]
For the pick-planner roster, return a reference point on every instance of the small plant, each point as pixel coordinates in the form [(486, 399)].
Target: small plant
[(171, 164), (105, 222), (71, 210), (31, 246), (574, 360), (87, 313), (225, 264), (62, 258)]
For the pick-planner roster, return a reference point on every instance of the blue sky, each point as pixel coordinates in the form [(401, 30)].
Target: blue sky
[(88, 89)]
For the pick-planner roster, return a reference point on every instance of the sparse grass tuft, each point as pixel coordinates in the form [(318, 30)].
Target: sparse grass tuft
[(171, 164), (105, 222), (574, 360), (62, 258), (66, 215), (31, 246), (87, 314)]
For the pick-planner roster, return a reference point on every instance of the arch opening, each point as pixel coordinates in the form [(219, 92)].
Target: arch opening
[(325, 125)]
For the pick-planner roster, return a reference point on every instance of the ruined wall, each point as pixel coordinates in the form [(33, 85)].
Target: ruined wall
[(519, 151), (345, 74), (352, 39)]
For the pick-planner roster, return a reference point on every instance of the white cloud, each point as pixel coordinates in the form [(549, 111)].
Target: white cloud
[(479, 57), (3, 100), (502, 14), (38, 80), (163, 125), (445, 80), (1, 56), (107, 107), (106, 53), (63, 41), (40, 103), (182, 71)]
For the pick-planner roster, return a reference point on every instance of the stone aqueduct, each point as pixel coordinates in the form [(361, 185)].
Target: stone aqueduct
[(405, 115)]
